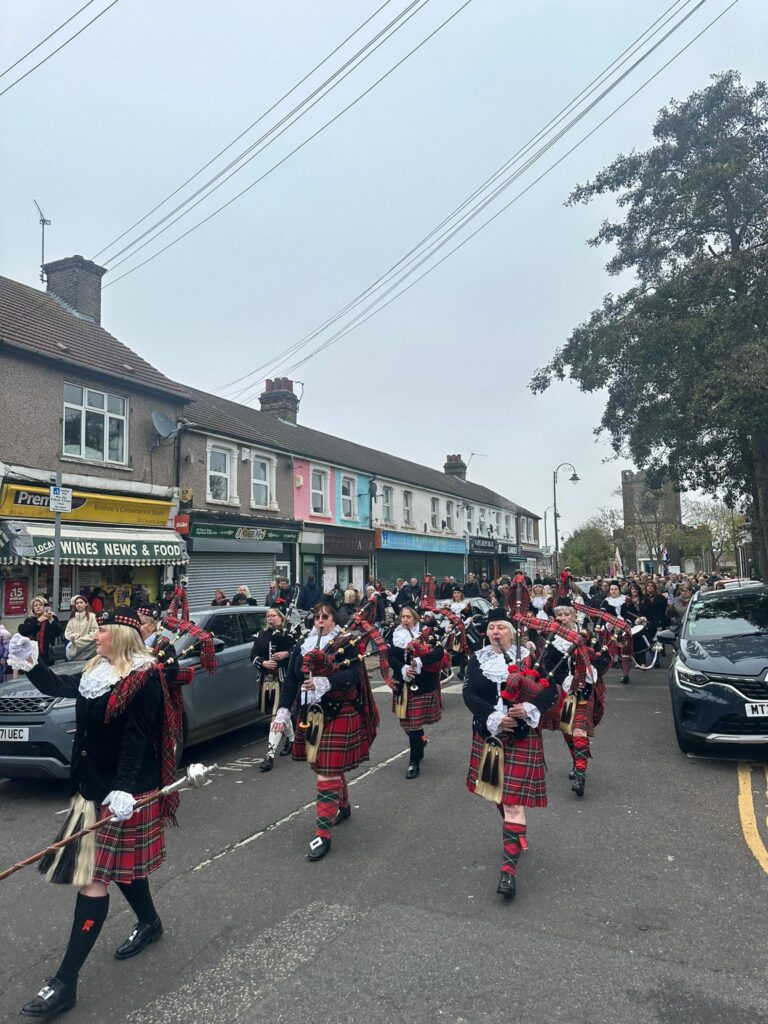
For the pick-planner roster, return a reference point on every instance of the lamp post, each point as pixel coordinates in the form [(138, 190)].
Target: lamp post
[(574, 478), (546, 542)]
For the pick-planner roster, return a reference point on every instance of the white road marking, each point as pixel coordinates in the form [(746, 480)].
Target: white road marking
[(289, 817)]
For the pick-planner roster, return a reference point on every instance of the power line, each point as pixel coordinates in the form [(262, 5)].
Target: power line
[(58, 48), (49, 36), (493, 217), (407, 13), (585, 92), (245, 131), (295, 150)]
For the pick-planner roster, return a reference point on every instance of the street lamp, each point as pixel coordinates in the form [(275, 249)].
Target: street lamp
[(574, 478), (547, 509)]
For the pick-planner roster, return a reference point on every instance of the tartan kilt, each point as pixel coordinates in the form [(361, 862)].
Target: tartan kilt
[(598, 692), (524, 781), (126, 850), (422, 709), (343, 745), (585, 714)]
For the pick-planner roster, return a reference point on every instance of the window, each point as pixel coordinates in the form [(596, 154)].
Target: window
[(531, 535), (386, 504), (348, 502), (220, 462), (449, 516), (319, 492), (498, 524), (470, 522), (507, 526), (94, 424), (523, 528), (435, 513), (481, 521), (226, 628), (259, 482), (407, 508), (253, 622)]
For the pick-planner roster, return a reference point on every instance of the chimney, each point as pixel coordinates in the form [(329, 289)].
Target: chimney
[(77, 283), (278, 399), (455, 466)]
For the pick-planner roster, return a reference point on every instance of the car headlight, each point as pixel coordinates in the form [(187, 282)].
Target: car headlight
[(65, 702), (688, 676)]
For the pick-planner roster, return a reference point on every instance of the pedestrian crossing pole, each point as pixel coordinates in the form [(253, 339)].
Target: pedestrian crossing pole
[(56, 554)]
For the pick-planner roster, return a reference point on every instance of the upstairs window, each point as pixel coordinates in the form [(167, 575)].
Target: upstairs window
[(319, 492), (348, 503), (507, 526), (260, 482), (220, 462), (449, 516), (95, 424), (470, 519), (386, 504), (435, 513), (407, 508)]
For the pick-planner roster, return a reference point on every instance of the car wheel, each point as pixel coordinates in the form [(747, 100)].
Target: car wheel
[(686, 744)]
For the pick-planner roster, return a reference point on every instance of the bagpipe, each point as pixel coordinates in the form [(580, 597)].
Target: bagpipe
[(419, 647), (177, 621), (577, 652), (620, 641), (270, 679), (347, 648), (429, 593), (521, 684), (454, 637)]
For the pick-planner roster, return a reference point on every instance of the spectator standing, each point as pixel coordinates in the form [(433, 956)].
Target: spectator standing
[(220, 600), (5, 637), (471, 586), (285, 592), (676, 610), (243, 596), (309, 595), (413, 583), (81, 629), (97, 601), (43, 626), (445, 590)]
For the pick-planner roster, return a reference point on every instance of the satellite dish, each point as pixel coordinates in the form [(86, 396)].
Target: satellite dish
[(164, 425)]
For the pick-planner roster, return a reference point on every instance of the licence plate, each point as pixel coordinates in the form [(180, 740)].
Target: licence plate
[(14, 732), (757, 710)]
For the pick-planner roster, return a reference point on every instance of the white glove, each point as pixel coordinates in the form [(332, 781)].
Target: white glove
[(119, 804), (283, 716), (22, 653)]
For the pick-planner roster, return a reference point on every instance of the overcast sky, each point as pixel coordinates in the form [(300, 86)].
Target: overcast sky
[(123, 115)]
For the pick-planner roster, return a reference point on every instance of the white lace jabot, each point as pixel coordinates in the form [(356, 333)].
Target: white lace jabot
[(103, 676), (402, 637), (311, 642)]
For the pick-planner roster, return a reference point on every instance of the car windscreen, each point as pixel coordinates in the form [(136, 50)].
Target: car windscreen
[(729, 614)]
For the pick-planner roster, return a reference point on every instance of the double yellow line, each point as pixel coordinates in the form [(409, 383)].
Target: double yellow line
[(748, 815)]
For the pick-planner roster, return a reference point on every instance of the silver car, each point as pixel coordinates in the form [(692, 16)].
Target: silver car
[(36, 731)]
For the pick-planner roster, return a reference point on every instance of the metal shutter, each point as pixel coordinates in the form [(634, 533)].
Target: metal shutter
[(210, 572), (391, 564), (445, 565)]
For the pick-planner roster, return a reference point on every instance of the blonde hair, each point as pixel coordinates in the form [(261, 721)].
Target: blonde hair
[(38, 597), (126, 642), (350, 596), (276, 611)]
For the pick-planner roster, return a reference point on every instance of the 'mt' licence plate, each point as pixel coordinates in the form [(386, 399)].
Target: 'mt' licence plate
[(757, 709), (14, 732)]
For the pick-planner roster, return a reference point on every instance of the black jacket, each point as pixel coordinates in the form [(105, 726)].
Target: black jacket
[(309, 596), (428, 679), (46, 634), (480, 696), (280, 640), (344, 682), (655, 610), (120, 754), (471, 589)]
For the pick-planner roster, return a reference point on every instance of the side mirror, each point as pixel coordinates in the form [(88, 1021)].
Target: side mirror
[(218, 643), (667, 636)]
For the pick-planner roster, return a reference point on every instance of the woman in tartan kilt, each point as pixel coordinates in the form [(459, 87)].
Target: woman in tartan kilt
[(350, 719), (416, 663), (127, 724), (591, 698), (516, 725)]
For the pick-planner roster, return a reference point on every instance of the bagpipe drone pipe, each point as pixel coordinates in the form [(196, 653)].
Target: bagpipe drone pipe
[(619, 644)]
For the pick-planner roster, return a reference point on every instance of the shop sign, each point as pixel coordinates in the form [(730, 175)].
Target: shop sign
[(181, 524), (87, 507), (215, 531), (508, 549), (349, 542), (15, 597), (482, 546), (391, 539), (111, 552)]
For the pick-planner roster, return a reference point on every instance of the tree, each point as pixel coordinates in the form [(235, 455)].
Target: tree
[(718, 526), (683, 353), (588, 551)]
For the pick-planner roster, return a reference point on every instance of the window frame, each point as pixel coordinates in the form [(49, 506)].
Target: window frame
[(387, 496), (407, 508), (83, 409), (266, 482), (449, 515), (351, 497), (231, 453), (470, 510), (507, 525), (434, 512), (326, 492)]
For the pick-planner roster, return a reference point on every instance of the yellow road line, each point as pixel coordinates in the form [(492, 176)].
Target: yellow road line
[(748, 819)]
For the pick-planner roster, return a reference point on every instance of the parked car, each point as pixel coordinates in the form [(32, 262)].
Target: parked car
[(36, 731), (718, 678)]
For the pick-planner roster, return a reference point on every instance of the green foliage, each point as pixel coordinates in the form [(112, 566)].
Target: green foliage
[(683, 353), (588, 551)]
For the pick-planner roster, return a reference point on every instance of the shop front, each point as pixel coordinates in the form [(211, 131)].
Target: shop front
[(120, 544), (311, 559), (406, 555), (347, 557), (482, 557), (514, 558), (225, 556)]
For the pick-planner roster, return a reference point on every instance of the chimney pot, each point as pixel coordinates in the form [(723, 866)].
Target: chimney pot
[(278, 399), (455, 466), (77, 282)]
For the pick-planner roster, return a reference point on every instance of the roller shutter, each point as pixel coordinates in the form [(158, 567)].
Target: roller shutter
[(393, 564), (210, 572), (445, 565)]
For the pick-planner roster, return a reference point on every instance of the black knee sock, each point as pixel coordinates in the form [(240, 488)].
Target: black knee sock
[(140, 899), (90, 915), (416, 741)]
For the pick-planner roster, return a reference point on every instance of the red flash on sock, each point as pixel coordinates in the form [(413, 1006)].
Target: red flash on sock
[(87, 925)]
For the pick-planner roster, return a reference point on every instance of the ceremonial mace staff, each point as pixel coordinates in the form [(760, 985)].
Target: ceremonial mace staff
[(195, 776)]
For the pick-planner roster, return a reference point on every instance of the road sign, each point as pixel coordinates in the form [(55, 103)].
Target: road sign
[(61, 499)]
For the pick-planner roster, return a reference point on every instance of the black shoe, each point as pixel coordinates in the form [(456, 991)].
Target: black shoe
[(345, 813), (54, 997), (287, 748), (625, 680), (413, 770), (579, 781), (141, 936), (318, 848), (572, 774), (267, 764), (507, 886)]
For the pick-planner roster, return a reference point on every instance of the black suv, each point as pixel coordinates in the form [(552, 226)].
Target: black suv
[(719, 677)]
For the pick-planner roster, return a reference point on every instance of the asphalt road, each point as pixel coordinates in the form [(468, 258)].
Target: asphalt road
[(643, 903)]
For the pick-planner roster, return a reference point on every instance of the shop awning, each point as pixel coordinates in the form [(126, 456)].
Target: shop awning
[(31, 543)]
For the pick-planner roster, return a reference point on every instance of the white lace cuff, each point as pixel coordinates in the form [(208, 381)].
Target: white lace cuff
[(532, 714), (493, 722), (22, 653), (322, 685), (568, 683), (283, 716), (417, 666), (403, 673)]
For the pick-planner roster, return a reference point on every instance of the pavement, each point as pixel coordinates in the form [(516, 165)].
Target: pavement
[(642, 903)]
